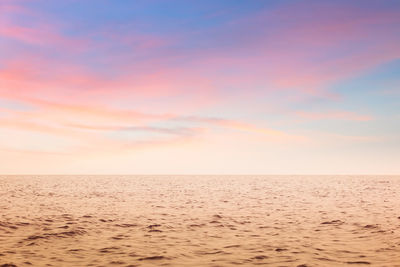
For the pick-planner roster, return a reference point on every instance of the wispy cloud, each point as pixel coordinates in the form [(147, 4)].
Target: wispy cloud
[(333, 115)]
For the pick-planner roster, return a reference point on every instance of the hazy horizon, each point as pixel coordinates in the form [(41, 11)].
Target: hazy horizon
[(199, 174)]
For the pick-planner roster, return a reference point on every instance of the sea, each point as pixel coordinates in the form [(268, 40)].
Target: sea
[(212, 220)]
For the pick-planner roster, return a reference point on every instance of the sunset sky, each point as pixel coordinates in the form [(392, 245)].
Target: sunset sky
[(199, 87)]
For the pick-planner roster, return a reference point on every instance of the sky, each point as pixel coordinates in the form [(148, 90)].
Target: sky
[(199, 87)]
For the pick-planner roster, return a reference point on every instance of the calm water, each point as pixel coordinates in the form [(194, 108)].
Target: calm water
[(200, 220)]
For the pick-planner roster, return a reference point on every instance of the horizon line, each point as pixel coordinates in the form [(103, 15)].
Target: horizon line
[(201, 174)]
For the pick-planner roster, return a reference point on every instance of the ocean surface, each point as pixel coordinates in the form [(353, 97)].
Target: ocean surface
[(200, 220)]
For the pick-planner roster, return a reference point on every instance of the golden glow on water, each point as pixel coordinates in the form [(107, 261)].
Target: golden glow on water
[(200, 220)]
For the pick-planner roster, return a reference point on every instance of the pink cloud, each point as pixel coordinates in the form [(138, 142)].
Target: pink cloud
[(334, 115), (290, 58), (86, 123), (41, 35), (306, 55)]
